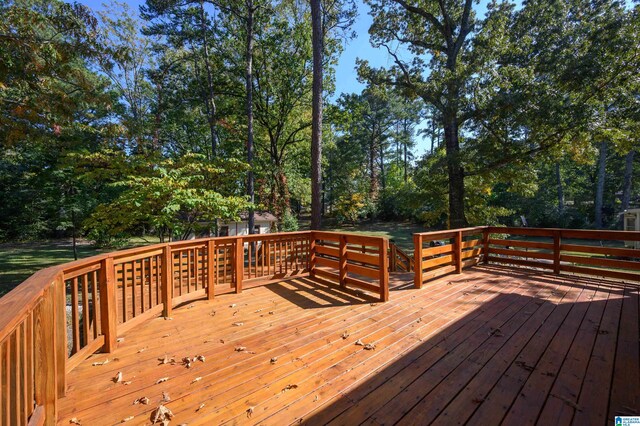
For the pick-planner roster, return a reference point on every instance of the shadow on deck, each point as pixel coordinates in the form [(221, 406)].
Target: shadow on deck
[(492, 345)]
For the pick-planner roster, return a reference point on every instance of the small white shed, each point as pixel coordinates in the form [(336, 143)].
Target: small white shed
[(264, 222), (632, 223)]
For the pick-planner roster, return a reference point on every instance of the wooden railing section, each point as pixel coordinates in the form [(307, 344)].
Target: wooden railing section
[(560, 251), (442, 252), (352, 260), (61, 315), (399, 260)]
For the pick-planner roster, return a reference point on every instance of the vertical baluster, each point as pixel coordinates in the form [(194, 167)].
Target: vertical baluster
[(45, 362), (15, 377), (417, 255), (85, 310), (24, 414), (6, 382), (74, 315), (239, 264), (167, 281), (108, 303), (29, 361), (143, 284), (95, 316), (157, 266)]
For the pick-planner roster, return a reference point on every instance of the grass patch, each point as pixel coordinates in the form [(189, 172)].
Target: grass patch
[(18, 261)]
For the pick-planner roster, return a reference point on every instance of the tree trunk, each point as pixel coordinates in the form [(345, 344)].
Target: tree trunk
[(455, 171), (627, 181), (249, 88), (373, 173), (316, 116), (602, 166), (406, 142), (211, 105), (560, 190)]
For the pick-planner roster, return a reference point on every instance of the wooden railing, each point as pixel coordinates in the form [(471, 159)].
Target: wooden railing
[(352, 260), (61, 315), (560, 251), (399, 261)]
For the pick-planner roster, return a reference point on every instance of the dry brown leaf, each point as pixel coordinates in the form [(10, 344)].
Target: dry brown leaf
[(274, 360), (143, 400), (221, 341), (240, 349), (200, 407), (142, 350), (259, 310), (161, 414), (345, 334), (168, 319), (289, 387), (200, 358), (126, 419), (166, 360), (197, 379), (191, 306), (271, 313), (237, 324), (75, 421), (166, 397), (213, 313), (127, 382), (316, 398), (162, 379), (120, 339), (187, 362), (166, 335), (233, 305), (118, 377), (359, 342), (249, 412), (236, 313), (369, 347), (106, 361)]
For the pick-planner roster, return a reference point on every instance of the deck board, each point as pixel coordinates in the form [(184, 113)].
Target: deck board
[(491, 345)]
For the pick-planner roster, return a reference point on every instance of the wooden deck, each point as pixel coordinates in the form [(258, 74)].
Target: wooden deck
[(493, 345)]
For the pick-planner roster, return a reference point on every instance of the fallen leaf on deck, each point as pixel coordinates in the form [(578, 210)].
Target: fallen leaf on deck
[(200, 407), (162, 379), (477, 400), (168, 319), (289, 387), (143, 400), (259, 310), (106, 361), (127, 382), (236, 313), (118, 377), (142, 350), (359, 342), (75, 421), (186, 361), (345, 335), (249, 412), (316, 398), (191, 306), (525, 365), (166, 360), (271, 313), (161, 414), (166, 335), (496, 332), (369, 347), (197, 379), (233, 305), (221, 341), (200, 358), (274, 360), (237, 324), (567, 401), (166, 397), (240, 349), (126, 419), (213, 313), (120, 339)]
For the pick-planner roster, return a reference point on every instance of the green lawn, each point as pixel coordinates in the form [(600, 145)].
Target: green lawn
[(19, 260)]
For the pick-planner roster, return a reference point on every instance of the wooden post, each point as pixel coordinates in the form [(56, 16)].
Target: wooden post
[(342, 260), (239, 259), (417, 256), (485, 245), (167, 281), (457, 247), (108, 302), (392, 258), (61, 333), (556, 252), (45, 371), (384, 270), (211, 269), (312, 254)]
